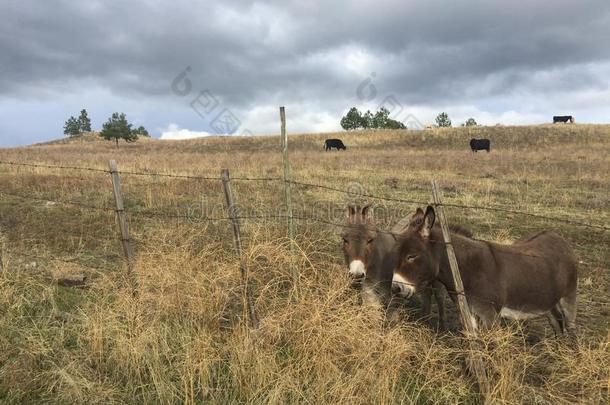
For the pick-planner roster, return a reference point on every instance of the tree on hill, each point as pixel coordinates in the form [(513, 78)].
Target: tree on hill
[(380, 119), (367, 120), (352, 120), (117, 128), (470, 122), (71, 127), (141, 131), (84, 123), (394, 124), (442, 120)]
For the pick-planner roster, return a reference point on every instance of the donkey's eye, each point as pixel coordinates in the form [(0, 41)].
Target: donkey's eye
[(369, 241), (345, 241), (411, 258)]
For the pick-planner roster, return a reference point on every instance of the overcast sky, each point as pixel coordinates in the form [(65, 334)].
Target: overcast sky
[(197, 67)]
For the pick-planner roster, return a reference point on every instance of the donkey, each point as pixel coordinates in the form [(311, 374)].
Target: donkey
[(370, 257), (534, 276)]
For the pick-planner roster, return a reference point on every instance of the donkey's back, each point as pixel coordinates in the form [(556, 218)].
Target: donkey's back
[(536, 275)]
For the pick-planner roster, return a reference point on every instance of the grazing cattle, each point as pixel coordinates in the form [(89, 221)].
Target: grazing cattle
[(563, 118), (534, 276), (480, 144), (369, 255), (334, 143)]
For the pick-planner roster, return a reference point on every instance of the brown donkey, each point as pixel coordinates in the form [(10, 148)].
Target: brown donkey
[(369, 254), (534, 276)]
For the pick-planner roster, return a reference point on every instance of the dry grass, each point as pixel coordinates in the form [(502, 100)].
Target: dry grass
[(184, 339)]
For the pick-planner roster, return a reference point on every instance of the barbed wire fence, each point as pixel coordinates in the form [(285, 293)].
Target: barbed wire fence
[(233, 212), (235, 216)]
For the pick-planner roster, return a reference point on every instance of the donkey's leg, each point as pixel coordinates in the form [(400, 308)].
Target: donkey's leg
[(439, 294), (426, 304), (567, 305), (486, 314), (555, 318)]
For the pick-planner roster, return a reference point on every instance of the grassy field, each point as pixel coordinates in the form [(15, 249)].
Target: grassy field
[(184, 339)]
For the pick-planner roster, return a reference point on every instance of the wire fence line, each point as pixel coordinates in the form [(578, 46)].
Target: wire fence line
[(464, 206), (265, 216), (303, 184), (137, 173), (270, 216), (63, 202)]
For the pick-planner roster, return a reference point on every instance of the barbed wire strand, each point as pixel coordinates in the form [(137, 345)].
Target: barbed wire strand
[(138, 173), (305, 184), (455, 205), (63, 202), (46, 166), (345, 226)]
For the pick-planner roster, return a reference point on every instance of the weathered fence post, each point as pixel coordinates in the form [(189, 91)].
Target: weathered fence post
[(1, 255), (288, 200), (243, 267), (466, 317), (121, 218)]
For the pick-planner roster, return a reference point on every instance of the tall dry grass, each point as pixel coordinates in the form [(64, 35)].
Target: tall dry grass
[(184, 338)]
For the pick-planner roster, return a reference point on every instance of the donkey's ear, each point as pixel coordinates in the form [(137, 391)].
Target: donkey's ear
[(351, 213), (367, 213), (428, 221), (417, 219)]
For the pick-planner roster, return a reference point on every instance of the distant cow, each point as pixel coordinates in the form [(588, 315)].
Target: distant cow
[(480, 144), (563, 118), (334, 143)]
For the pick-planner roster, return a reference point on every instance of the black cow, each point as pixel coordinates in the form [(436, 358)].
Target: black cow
[(334, 143), (562, 118), (480, 144)]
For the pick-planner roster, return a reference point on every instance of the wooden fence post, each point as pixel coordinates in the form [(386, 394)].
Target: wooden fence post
[(288, 200), (121, 217), (476, 361), (243, 267), (1, 255)]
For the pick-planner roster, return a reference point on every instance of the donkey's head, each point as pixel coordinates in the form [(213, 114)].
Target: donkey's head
[(359, 234), (416, 268)]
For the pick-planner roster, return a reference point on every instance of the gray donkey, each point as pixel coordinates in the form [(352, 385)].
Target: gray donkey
[(534, 276), (370, 257)]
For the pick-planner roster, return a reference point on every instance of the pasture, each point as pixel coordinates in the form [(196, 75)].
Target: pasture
[(183, 339)]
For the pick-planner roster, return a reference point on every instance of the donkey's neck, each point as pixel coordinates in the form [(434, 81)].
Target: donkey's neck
[(381, 263), (467, 251)]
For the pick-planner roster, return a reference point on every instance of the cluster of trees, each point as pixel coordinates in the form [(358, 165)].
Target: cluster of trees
[(76, 126), (443, 120), (117, 127), (354, 119)]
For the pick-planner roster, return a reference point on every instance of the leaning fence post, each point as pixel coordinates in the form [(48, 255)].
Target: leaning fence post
[(121, 217), (243, 267), (476, 361), (288, 199), (1, 255)]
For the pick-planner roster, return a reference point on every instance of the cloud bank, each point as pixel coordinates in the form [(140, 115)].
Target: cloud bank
[(497, 61)]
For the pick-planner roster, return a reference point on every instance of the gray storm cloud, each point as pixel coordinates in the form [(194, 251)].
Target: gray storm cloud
[(489, 57)]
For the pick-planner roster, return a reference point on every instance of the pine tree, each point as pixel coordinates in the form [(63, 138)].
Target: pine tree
[(71, 127), (117, 128), (442, 120), (380, 120), (141, 131), (84, 122), (352, 120), (470, 122), (367, 119)]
